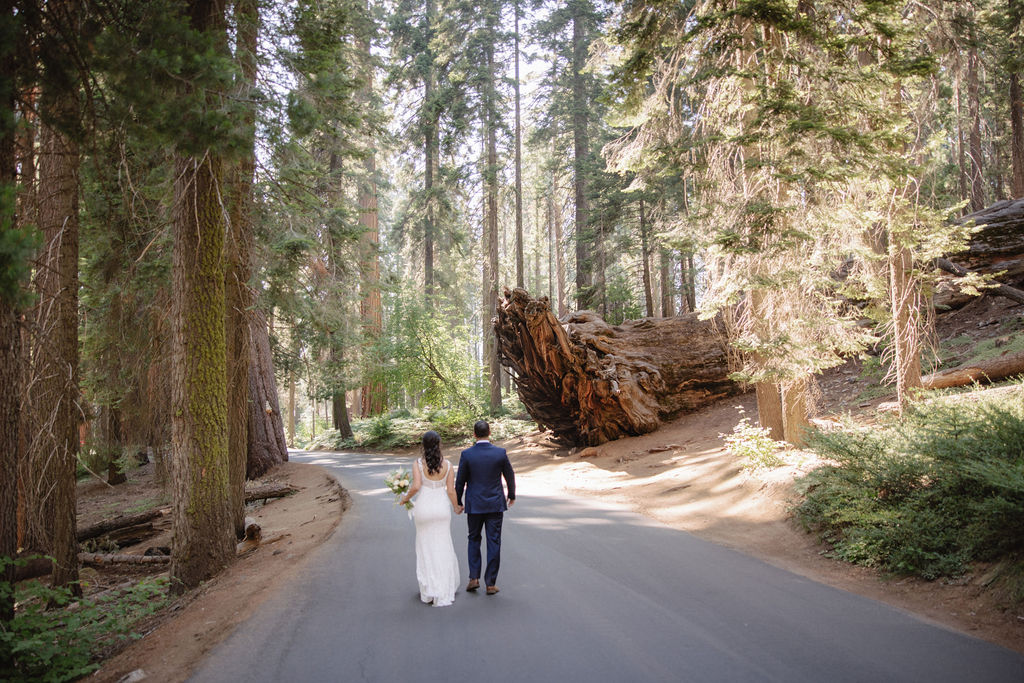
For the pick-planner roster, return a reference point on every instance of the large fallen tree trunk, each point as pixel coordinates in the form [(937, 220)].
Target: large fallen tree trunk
[(1003, 290), (590, 382), (106, 526), (1000, 235), (989, 370)]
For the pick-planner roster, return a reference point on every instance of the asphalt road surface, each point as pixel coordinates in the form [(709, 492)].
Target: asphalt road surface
[(589, 593)]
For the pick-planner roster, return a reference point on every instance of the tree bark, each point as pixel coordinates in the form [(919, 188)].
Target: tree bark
[(795, 410), (291, 408), (100, 559), (203, 517), (1017, 135), (581, 151), (270, 491), (491, 237), (645, 259), (989, 370), (519, 161), (590, 382), (53, 394), (85, 533), (431, 151), (974, 139), (549, 220), (339, 407), (202, 526), (240, 255), (10, 332), (267, 445), (373, 395), (556, 217), (904, 295), (667, 303)]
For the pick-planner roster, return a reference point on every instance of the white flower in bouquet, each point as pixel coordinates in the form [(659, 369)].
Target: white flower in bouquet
[(397, 482)]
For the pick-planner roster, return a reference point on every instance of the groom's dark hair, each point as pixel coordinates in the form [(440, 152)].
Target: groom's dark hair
[(482, 429)]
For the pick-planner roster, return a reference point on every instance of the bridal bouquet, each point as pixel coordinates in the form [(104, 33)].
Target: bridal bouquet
[(398, 482)]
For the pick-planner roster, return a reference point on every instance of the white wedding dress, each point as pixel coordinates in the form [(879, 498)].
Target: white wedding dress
[(437, 568)]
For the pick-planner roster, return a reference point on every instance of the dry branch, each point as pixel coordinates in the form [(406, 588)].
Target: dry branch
[(989, 370), (270, 491), (590, 382)]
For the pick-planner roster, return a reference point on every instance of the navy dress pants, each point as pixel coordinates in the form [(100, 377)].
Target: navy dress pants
[(491, 523)]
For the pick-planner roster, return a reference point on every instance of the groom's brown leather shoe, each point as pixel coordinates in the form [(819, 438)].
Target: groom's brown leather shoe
[(491, 590), (473, 585)]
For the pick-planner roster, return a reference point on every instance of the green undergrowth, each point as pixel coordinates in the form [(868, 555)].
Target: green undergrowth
[(403, 429), (753, 445), (57, 637), (925, 494)]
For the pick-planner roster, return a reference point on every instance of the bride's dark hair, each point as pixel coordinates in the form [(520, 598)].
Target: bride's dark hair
[(432, 451)]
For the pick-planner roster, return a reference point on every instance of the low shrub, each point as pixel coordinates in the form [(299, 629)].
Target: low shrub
[(56, 637), (925, 494), (754, 445)]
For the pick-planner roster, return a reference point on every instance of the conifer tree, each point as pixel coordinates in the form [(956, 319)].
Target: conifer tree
[(14, 252), (53, 409)]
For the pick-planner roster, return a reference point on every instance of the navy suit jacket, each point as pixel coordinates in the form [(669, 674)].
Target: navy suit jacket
[(481, 468)]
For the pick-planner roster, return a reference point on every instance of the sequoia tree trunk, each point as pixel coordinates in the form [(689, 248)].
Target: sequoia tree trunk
[(53, 394), (10, 334), (204, 540), (239, 250), (1017, 135), (267, 446), (590, 382)]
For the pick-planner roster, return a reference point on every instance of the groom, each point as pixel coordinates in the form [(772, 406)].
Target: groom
[(480, 471)]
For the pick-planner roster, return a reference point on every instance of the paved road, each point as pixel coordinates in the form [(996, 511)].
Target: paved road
[(589, 593)]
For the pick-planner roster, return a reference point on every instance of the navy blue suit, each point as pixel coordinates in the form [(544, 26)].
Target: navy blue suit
[(481, 469)]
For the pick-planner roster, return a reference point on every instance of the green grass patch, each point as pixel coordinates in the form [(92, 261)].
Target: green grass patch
[(56, 637), (925, 494)]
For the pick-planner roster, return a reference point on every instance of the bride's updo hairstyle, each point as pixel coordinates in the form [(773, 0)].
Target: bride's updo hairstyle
[(432, 451)]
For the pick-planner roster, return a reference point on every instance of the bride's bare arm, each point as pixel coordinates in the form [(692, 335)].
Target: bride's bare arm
[(450, 488)]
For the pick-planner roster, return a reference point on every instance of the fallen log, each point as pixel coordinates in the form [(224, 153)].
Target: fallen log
[(101, 559), (1000, 234), (269, 491), (988, 370), (590, 382), (132, 535), (106, 526), (1007, 291), (33, 568)]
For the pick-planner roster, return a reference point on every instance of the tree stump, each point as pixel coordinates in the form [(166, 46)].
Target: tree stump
[(590, 382)]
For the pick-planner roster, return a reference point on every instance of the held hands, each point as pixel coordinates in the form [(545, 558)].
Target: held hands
[(511, 502), (459, 509)]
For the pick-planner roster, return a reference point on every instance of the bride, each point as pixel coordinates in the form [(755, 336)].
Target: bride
[(437, 568)]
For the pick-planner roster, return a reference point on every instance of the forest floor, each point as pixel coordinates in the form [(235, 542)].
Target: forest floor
[(682, 475), (177, 637)]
